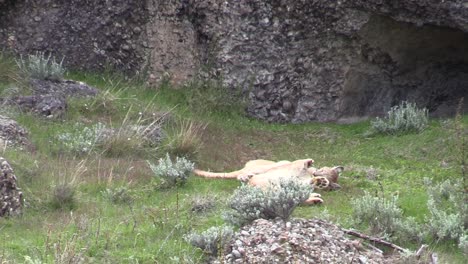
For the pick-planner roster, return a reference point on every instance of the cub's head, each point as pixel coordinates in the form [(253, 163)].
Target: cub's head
[(328, 173)]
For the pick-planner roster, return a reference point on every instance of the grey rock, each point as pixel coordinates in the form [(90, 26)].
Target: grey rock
[(236, 254), (68, 88), (46, 105), (49, 98)]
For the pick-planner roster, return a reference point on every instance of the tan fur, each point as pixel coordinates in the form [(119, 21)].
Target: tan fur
[(261, 173)]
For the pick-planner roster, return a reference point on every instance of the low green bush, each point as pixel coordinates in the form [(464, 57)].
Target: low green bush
[(448, 219), (401, 119), (463, 244), (81, 140), (63, 196), (278, 200), (119, 195)]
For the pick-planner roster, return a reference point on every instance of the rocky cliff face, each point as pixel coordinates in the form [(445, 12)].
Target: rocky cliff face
[(298, 60)]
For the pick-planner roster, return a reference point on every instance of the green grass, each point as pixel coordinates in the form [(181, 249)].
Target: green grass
[(151, 227)]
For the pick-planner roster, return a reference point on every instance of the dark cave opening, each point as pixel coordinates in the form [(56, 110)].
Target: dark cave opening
[(401, 61)]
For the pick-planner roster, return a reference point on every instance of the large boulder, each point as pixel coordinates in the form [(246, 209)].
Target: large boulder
[(11, 197)]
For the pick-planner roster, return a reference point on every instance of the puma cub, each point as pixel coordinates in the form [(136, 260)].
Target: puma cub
[(261, 173)]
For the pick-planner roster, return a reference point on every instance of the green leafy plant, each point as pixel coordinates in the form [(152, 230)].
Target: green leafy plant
[(401, 119), (385, 218), (211, 240), (171, 173), (278, 200), (41, 66)]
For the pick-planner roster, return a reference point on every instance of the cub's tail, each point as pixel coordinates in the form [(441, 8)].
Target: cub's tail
[(217, 175)]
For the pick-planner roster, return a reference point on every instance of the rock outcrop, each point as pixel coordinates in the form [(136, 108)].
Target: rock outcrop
[(49, 98), (11, 197), (297, 60)]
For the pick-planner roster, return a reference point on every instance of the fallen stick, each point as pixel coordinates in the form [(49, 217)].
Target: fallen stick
[(421, 251), (373, 239)]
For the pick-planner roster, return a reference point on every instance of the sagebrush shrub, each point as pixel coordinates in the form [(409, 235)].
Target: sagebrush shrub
[(119, 195), (41, 66), (385, 217), (82, 140), (172, 173), (212, 240), (448, 219), (403, 118), (278, 200)]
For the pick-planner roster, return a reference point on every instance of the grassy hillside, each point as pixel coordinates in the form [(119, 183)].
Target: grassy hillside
[(103, 205)]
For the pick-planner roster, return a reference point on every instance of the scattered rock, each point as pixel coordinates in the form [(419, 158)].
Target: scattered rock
[(11, 197), (298, 241)]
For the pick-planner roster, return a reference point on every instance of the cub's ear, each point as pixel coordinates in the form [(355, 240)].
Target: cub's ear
[(338, 169), (308, 163)]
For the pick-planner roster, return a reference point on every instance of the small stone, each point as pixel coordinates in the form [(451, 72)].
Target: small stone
[(277, 249), (236, 254), (37, 18), (241, 250), (239, 243)]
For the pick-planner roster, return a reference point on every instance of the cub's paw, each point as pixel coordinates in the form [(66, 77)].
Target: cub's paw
[(320, 182), (245, 177), (313, 200)]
